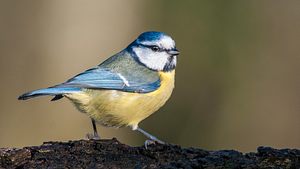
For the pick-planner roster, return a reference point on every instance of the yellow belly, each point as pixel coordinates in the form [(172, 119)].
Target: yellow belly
[(117, 108)]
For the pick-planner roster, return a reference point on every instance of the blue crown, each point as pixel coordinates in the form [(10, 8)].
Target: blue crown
[(151, 36)]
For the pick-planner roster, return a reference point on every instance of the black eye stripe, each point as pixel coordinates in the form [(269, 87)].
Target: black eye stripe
[(154, 47)]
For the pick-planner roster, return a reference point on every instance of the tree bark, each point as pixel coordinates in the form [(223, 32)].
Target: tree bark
[(113, 154)]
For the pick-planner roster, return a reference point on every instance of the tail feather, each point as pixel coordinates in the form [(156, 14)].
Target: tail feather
[(52, 91)]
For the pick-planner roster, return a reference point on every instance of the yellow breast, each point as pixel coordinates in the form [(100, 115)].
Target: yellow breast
[(117, 108)]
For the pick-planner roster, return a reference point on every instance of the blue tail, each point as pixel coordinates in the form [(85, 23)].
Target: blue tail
[(52, 91)]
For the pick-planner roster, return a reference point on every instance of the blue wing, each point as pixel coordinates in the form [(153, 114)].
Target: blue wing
[(99, 78), (119, 72)]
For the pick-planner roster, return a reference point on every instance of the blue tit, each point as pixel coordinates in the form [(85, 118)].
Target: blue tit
[(126, 88)]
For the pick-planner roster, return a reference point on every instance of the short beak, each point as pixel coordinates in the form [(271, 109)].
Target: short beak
[(173, 52)]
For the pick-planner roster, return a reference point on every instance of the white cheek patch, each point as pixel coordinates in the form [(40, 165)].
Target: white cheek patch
[(153, 60)]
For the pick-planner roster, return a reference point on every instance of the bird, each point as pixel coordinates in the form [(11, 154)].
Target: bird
[(124, 89)]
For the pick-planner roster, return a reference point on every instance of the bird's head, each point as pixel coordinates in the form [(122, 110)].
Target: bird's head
[(155, 50)]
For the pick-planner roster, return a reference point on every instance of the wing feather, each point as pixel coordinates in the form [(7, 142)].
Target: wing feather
[(99, 78)]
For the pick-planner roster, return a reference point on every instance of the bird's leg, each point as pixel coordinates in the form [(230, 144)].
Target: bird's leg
[(152, 138), (95, 129), (94, 136)]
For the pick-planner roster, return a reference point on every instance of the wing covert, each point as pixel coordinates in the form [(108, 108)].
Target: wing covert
[(100, 78)]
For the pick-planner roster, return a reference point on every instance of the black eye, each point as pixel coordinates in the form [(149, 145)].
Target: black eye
[(155, 48)]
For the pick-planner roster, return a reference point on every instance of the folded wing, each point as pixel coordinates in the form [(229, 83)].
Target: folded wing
[(99, 78)]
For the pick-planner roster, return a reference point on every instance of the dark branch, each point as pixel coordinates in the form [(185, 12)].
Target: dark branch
[(113, 154)]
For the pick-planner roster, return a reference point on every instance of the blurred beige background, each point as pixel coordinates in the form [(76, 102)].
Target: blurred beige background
[(238, 75)]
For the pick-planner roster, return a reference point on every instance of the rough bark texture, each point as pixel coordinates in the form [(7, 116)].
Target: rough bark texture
[(113, 154)]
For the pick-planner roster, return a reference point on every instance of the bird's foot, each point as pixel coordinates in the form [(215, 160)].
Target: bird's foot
[(91, 136), (152, 142), (154, 139)]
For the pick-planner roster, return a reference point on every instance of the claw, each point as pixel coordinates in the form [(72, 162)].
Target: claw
[(152, 142), (154, 139), (148, 143), (91, 136)]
